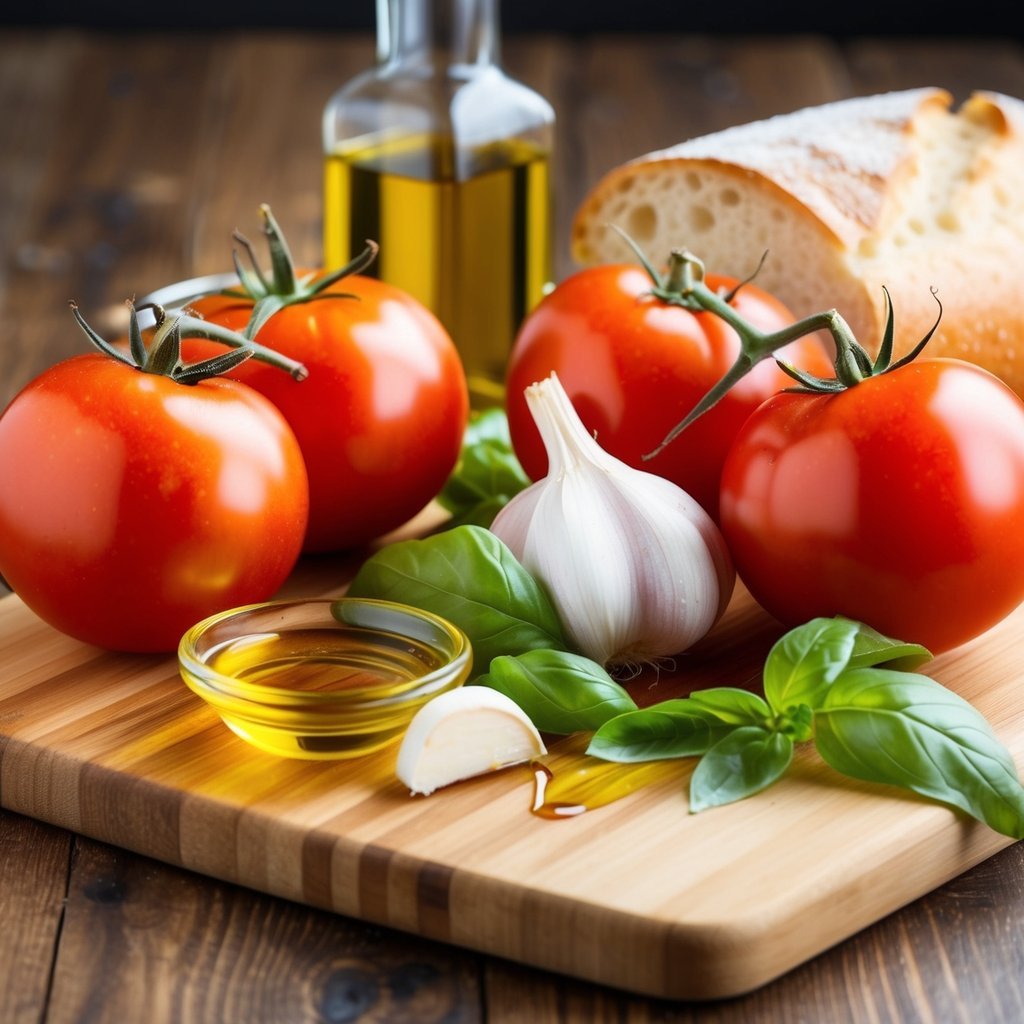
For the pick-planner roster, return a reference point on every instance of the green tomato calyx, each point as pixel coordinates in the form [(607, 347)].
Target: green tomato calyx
[(283, 287), (852, 362), (162, 356), (684, 285)]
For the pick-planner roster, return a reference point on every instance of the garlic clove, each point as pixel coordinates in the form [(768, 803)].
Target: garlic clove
[(636, 569), (463, 733)]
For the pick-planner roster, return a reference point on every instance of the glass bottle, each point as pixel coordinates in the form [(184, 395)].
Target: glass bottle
[(441, 158)]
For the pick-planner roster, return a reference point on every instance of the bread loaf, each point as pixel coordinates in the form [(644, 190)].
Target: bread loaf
[(897, 190)]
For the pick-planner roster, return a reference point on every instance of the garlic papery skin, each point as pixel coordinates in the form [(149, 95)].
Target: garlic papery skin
[(635, 567)]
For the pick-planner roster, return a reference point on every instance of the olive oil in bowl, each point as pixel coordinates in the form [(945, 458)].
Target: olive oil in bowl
[(322, 679)]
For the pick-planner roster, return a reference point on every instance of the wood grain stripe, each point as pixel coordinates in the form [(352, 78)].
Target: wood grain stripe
[(374, 866), (317, 874), (433, 899), (140, 808)]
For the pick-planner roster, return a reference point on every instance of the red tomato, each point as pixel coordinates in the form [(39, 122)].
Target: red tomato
[(634, 366), (132, 506), (898, 502), (380, 418)]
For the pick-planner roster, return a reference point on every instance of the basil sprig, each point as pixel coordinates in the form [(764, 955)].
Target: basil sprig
[(844, 686), (488, 474)]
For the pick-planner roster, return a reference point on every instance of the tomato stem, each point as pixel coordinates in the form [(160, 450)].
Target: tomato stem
[(163, 354), (284, 288), (684, 286), (281, 262), (192, 326), (755, 345)]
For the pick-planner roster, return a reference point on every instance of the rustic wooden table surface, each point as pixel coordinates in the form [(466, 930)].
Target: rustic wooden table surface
[(125, 163)]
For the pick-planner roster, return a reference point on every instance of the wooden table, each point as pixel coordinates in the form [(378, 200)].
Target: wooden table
[(125, 163)]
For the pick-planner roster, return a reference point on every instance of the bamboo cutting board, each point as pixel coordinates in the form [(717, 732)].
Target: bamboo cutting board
[(639, 894)]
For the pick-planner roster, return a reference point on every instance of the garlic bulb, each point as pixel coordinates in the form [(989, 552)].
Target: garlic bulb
[(636, 569)]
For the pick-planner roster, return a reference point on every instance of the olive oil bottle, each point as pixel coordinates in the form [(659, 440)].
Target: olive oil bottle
[(445, 162)]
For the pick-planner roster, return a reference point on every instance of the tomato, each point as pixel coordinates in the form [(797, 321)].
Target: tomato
[(131, 505), (634, 366), (898, 502), (380, 418)]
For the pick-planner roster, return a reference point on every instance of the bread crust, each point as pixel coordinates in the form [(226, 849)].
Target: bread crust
[(896, 190)]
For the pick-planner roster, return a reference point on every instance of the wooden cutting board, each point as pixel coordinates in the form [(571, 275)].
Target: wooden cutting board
[(639, 894)]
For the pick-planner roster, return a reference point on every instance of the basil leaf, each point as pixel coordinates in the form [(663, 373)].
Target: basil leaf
[(479, 513), (468, 576), (560, 692), (487, 475), (872, 648), (488, 426), (907, 730), (733, 706), (746, 761), (674, 728), (803, 663)]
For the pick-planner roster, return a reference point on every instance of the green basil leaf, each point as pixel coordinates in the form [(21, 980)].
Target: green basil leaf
[(746, 761), (804, 662), (468, 576), (560, 692), (487, 475), (733, 706), (479, 513), (872, 648), (674, 728), (488, 426), (907, 730)]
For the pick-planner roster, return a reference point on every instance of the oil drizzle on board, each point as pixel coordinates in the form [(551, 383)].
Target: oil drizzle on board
[(571, 782)]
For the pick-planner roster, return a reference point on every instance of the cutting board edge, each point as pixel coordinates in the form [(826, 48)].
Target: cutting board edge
[(680, 960), (689, 960)]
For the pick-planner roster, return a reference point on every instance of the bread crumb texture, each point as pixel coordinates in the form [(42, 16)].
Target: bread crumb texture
[(897, 190)]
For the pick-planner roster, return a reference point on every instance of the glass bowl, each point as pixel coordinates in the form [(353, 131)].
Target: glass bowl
[(322, 679)]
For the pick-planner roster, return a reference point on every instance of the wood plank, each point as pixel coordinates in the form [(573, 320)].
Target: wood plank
[(879, 65), (258, 140), (549, 64), (102, 211), (34, 868), (33, 70), (145, 942), (34, 75), (337, 966)]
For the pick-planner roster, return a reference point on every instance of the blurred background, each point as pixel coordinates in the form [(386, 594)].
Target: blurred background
[(899, 17)]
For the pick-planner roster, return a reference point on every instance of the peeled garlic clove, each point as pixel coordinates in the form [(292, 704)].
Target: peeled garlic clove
[(462, 733)]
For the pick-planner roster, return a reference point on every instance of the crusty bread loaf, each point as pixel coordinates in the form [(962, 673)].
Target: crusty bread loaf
[(896, 190)]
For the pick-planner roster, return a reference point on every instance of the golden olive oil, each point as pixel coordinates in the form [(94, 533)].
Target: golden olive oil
[(331, 660), (467, 232), (571, 782), (339, 664)]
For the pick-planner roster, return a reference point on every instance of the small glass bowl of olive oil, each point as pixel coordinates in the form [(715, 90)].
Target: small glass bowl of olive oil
[(322, 679)]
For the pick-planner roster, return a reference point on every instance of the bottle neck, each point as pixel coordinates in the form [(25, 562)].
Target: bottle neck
[(437, 33)]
